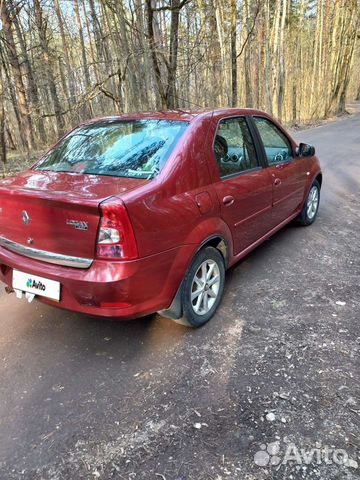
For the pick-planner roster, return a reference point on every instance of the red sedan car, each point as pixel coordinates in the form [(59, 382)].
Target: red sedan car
[(130, 215)]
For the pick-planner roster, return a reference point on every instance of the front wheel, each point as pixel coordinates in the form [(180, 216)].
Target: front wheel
[(311, 205), (203, 287)]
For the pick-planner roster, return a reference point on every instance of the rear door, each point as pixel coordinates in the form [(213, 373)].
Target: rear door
[(287, 173), (243, 186)]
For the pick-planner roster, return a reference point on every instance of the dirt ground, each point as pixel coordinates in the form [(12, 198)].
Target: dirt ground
[(267, 390)]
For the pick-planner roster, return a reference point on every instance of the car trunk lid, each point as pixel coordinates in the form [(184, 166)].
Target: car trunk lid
[(57, 212)]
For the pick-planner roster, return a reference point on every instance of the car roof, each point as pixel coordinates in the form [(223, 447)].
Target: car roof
[(180, 115)]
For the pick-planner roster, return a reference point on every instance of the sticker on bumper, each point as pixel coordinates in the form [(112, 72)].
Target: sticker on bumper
[(36, 285)]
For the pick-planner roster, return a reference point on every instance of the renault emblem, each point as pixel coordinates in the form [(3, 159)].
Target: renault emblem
[(25, 217)]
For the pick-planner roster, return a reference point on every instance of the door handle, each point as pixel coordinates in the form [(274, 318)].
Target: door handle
[(282, 165), (228, 200), (277, 181)]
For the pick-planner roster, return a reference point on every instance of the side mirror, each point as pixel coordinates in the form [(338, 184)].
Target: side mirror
[(306, 150)]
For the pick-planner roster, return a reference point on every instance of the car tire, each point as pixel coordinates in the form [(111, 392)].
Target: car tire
[(311, 205), (200, 298)]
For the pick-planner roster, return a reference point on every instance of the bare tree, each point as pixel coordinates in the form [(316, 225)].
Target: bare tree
[(42, 25), (63, 62), (167, 88), (71, 97), (22, 102), (2, 121), (234, 85)]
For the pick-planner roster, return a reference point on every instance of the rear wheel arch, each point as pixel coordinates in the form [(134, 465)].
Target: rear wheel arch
[(220, 243), (213, 232), (217, 241)]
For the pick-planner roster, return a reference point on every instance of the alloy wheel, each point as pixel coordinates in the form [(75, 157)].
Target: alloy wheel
[(205, 287), (312, 202)]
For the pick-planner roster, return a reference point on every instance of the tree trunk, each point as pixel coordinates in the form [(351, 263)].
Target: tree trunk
[(82, 45), (71, 96), (133, 74), (22, 102), (12, 94), (233, 54), (247, 58), (346, 27), (275, 55), (41, 25), (111, 61), (33, 93), (268, 65), (216, 58), (152, 46), (143, 45), (281, 93), (100, 101), (2, 121), (172, 100), (97, 33), (86, 110), (2, 132)]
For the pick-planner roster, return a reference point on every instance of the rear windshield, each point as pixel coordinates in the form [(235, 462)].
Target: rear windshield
[(136, 148)]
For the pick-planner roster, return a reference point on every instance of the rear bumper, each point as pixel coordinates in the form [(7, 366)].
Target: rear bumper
[(109, 289)]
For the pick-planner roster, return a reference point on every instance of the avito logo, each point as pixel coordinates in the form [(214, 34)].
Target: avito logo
[(34, 284)]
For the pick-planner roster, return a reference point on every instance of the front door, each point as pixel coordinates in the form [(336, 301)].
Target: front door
[(286, 171), (244, 187)]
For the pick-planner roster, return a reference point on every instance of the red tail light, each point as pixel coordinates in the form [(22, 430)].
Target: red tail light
[(116, 237)]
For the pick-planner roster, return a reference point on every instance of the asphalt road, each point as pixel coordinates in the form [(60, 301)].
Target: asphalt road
[(150, 399)]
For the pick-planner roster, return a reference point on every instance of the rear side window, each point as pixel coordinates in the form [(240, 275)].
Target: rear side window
[(136, 148), (276, 144), (233, 147)]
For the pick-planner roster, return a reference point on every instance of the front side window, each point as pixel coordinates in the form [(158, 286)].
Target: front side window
[(276, 144), (131, 148), (233, 147)]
